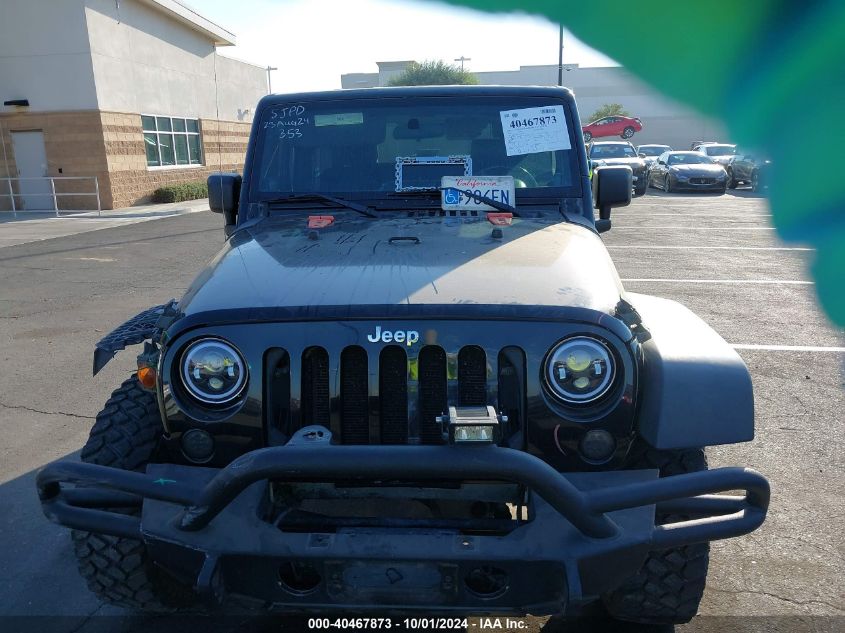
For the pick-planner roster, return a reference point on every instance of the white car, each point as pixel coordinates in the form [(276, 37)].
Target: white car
[(722, 153)]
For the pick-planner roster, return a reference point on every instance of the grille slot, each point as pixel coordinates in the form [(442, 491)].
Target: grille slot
[(432, 389), (315, 386), (393, 395), (354, 391), (472, 376)]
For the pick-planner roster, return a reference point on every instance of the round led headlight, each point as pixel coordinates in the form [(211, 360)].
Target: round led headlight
[(580, 370), (213, 371)]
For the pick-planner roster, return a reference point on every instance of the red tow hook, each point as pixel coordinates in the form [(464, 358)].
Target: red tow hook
[(500, 219), (320, 221)]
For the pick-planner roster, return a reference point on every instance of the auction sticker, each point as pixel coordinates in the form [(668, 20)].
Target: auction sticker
[(533, 130), (453, 194)]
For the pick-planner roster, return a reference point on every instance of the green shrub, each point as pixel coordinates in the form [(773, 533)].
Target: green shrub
[(181, 192)]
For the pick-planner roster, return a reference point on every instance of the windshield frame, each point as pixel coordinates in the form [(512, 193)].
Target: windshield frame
[(389, 199)]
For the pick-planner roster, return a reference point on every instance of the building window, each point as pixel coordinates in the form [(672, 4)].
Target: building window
[(171, 141)]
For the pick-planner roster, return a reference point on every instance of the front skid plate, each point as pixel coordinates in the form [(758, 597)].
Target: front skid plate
[(547, 563)]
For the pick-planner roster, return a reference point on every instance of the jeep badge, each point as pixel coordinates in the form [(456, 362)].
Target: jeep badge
[(408, 337)]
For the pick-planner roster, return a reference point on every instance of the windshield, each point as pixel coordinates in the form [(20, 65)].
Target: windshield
[(612, 151), (370, 148), (653, 150), (719, 150), (689, 158)]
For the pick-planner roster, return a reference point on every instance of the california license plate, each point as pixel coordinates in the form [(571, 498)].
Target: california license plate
[(453, 195)]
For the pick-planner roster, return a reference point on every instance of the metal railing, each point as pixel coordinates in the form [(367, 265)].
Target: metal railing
[(53, 194)]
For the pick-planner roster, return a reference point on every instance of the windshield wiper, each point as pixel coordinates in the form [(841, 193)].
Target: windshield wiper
[(496, 204), (314, 196)]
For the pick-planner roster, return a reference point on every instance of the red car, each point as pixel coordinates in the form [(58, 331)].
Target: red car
[(615, 125)]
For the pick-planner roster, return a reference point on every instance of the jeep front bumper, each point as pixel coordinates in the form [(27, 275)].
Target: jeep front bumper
[(587, 531)]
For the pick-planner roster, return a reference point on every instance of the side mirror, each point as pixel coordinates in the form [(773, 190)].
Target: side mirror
[(661, 162), (642, 155), (612, 187), (223, 193)]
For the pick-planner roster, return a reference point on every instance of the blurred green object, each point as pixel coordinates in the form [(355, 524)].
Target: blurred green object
[(774, 73)]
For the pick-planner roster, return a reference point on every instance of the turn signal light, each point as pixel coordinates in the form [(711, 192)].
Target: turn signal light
[(147, 377)]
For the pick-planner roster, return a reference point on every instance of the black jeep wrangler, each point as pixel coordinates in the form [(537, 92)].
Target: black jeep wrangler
[(412, 381)]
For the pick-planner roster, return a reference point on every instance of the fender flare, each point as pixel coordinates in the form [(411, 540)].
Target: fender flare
[(141, 327), (695, 388)]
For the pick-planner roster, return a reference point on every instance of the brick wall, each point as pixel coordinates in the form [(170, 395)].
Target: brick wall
[(73, 142), (132, 182), (110, 146)]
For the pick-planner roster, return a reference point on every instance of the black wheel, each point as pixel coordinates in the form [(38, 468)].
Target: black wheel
[(755, 181), (588, 136), (118, 570), (639, 190), (667, 184), (732, 184), (669, 587), (628, 132)]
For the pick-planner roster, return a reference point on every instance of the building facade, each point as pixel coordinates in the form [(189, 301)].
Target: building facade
[(664, 121), (132, 92)]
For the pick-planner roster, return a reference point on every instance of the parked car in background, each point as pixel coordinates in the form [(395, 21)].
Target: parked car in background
[(692, 171), (622, 126), (748, 167), (649, 153), (722, 153), (696, 144), (620, 153)]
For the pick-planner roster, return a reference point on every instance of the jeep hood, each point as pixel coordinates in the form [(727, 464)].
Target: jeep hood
[(432, 261)]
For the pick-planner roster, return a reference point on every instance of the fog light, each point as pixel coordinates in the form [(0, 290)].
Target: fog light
[(198, 445), (477, 425), (597, 445)]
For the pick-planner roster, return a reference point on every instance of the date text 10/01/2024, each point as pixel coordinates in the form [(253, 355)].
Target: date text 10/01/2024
[(419, 624)]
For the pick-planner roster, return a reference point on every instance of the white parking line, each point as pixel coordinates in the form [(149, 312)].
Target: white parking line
[(715, 248), (634, 211), (721, 281), (790, 348), (697, 228)]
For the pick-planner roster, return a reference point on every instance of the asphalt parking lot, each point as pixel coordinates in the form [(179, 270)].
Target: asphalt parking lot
[(716, 254)]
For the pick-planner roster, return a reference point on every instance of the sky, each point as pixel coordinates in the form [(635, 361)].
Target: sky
[(313, 42)]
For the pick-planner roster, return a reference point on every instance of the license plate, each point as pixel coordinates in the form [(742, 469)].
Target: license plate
[(454, 198)]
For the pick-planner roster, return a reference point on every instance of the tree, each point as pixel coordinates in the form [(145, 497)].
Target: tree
[(608, 109), (433, 73)]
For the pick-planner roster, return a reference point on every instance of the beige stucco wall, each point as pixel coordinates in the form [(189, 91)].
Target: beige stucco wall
[(92, 67), (47, 61), (144, 62)]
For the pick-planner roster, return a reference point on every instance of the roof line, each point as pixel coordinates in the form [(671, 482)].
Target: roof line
[(188, 16)]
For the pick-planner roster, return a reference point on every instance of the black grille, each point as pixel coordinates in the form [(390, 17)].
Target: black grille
[(340, 393), (393, 395), (315, 386), (354, 388), (433, 393), (703, 181)]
